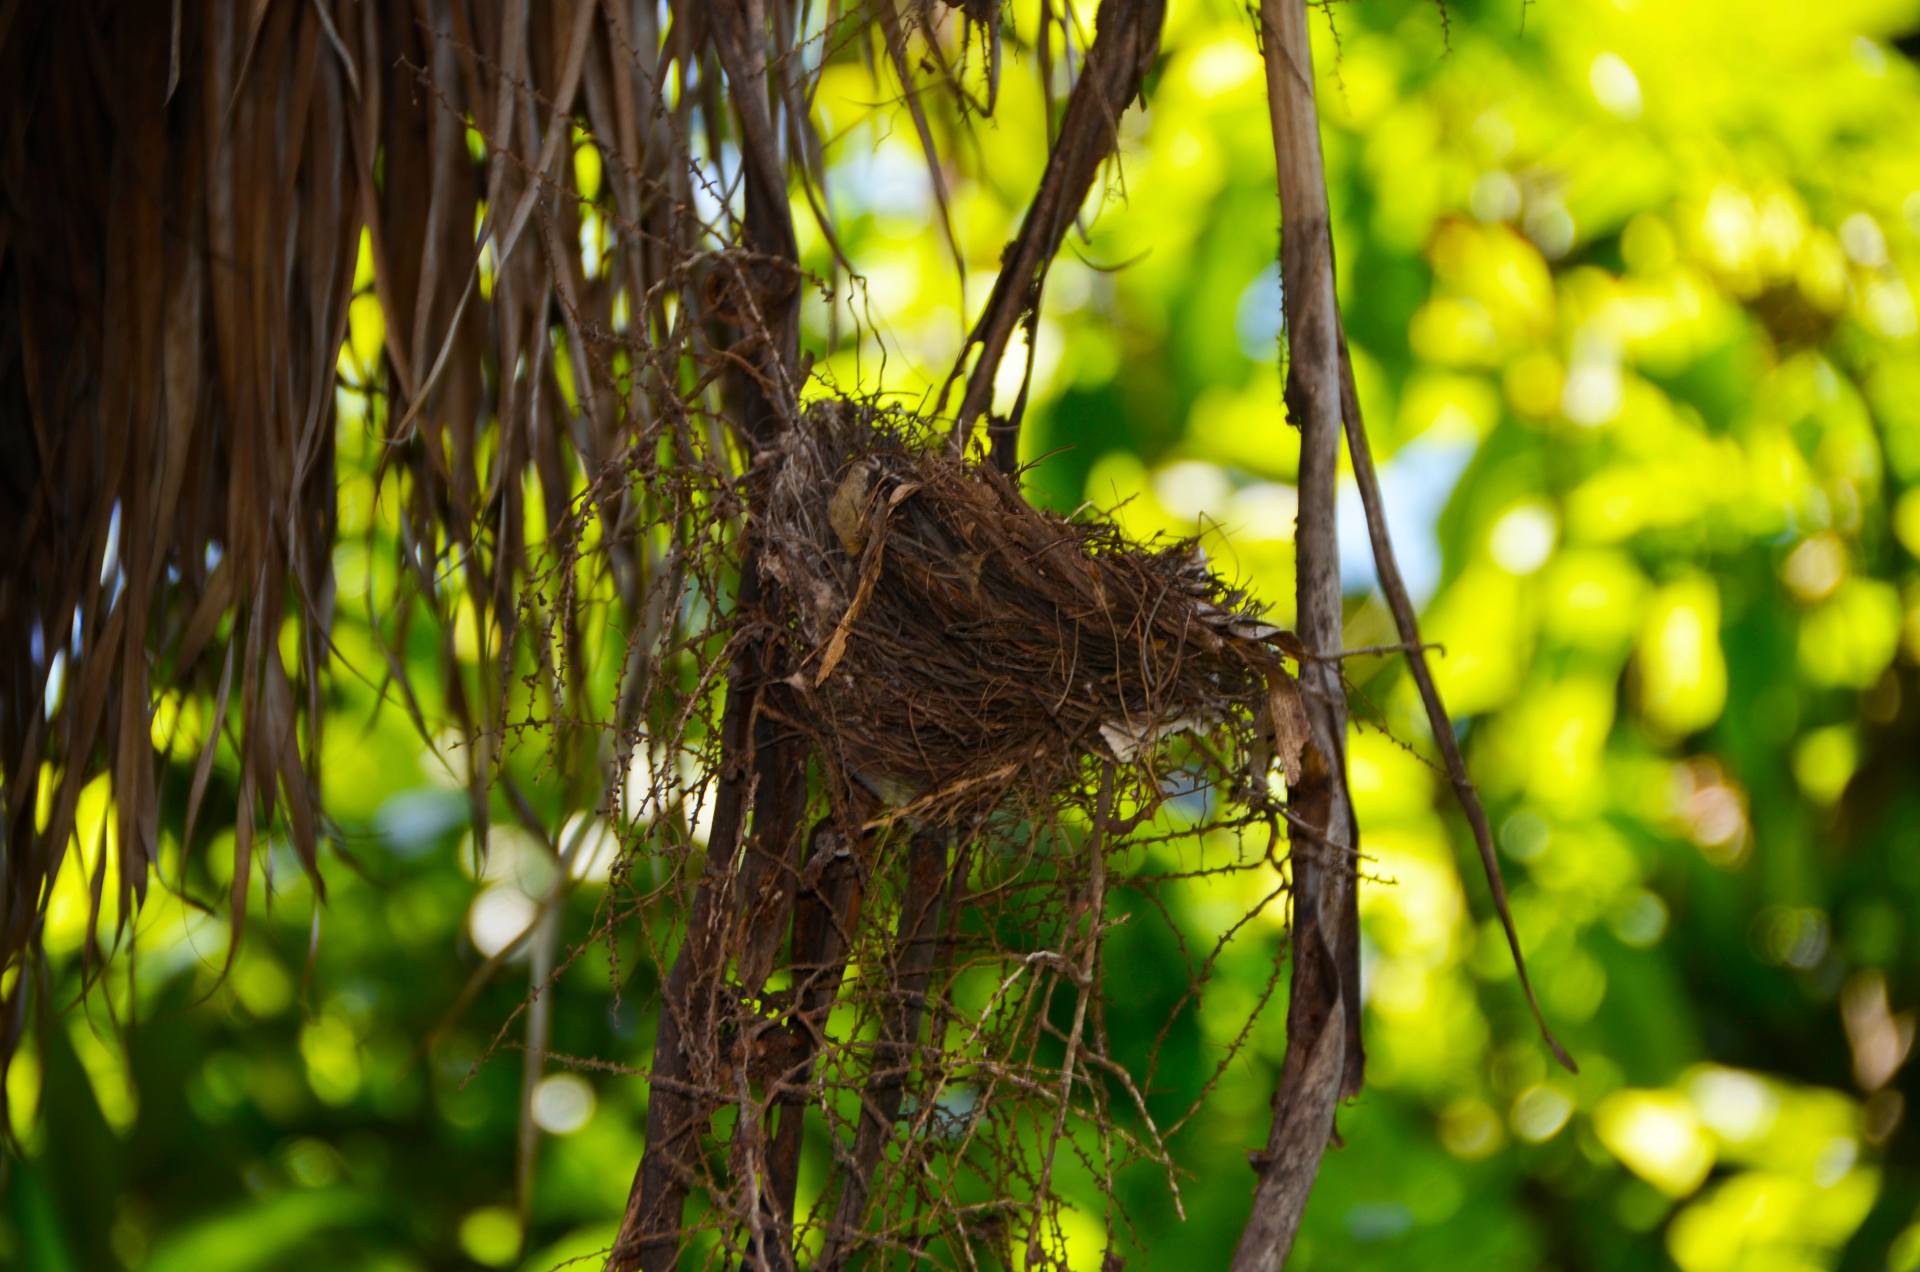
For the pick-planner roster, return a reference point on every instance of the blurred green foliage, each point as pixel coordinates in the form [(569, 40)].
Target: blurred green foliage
[(1631, 290)]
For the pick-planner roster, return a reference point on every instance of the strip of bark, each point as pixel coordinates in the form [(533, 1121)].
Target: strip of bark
[(1126, 39), (1324, 1060)]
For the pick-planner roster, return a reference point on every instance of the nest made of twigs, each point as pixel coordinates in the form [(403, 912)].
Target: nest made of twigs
[(957, 645)]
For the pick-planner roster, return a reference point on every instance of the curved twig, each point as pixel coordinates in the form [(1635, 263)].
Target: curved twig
[(1126, 39), (1437, 718)]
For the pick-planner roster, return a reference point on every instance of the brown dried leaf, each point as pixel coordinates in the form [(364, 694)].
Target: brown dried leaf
[(1287, 717), (846, 509)]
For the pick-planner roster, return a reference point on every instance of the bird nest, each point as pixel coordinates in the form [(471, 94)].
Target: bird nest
[(957, 646)]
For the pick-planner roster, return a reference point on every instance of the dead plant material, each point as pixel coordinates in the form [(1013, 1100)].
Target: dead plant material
[(958, 648)]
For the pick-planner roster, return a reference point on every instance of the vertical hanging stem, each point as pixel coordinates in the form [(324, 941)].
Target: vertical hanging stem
[(677, 1111), (1324, 1060), (540, 948), (1395, 590), (826, 915), (1096, 905), (916, 948)]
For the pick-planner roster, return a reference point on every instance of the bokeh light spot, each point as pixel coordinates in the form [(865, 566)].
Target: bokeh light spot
[(562, 1103)]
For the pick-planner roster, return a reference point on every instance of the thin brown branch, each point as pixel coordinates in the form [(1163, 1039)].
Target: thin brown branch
[(1401, 604), (1126, 39), (889, 19)]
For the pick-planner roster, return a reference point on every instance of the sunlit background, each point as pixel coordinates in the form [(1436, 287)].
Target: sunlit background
[(1631, 291)]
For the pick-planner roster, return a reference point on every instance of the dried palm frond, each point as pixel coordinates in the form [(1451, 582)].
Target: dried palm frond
[(186, 196), (179, 236), (183, 193)]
